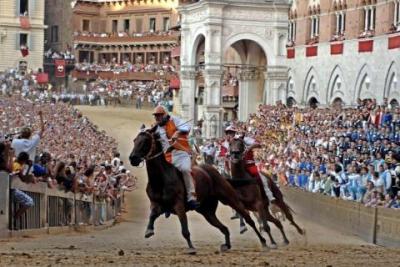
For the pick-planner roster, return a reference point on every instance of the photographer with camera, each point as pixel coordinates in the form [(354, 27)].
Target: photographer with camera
[(28, 143)]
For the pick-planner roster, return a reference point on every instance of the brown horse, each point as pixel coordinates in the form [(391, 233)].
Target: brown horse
[(166, 190), (252, 195)]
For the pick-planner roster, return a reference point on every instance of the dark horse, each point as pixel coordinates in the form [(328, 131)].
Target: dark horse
[(166, 190), (252, 195)]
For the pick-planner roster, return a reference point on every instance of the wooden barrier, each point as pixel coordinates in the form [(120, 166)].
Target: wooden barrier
[(375, 225), (52, 209)]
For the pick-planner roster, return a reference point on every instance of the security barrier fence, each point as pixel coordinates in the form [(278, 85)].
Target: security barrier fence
[(377, 225), (52, 208)]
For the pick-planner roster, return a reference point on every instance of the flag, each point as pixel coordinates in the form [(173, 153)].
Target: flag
[(24, 51), (60, 68)]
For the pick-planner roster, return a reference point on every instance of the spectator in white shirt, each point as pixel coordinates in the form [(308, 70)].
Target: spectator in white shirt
[(28, 143)]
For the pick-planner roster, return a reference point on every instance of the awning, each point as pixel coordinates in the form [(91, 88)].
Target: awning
[(42, 78), (176, 52), (175, 83)]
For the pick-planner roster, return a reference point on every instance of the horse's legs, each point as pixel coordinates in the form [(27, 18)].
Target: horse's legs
[(262, 211), (285, 209), (243, 227), (237, 205), (278, 224), (181, 213), (155, 213), (209, 214)]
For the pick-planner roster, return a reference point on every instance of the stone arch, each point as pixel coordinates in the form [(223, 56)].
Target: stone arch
[(310, 88), (248, 60), (363, 84), (391, 82), (267, 49), (336, 85), (200, 38)]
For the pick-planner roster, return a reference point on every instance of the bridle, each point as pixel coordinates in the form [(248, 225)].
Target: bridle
[(237, 152), (149, 155)]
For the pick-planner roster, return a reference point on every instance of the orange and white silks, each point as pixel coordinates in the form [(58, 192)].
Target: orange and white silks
[(181, 143)]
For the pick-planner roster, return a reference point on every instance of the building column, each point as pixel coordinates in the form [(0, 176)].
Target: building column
[(248, 80), (187, 93), (212, 125), (275, 79)]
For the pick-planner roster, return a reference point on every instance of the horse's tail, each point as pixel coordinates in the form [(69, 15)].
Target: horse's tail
[(279, 197)]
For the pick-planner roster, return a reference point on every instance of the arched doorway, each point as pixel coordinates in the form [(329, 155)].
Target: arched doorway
[(313, 103), (337, 103), (199, 81), (394, 103), (243, 86), (290, 102)]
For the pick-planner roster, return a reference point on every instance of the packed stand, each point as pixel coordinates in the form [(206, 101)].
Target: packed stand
[(67, 152), (348, 153)]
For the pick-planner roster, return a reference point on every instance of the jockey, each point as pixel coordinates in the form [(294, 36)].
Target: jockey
[(253, 169), (230, 133), (174, 136)]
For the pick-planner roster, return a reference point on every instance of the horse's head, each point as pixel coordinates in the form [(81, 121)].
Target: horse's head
[(236, 149), (145, 145)]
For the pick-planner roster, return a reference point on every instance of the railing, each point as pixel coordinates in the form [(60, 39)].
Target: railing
[(109, 75), (52, 208), (130, 40)]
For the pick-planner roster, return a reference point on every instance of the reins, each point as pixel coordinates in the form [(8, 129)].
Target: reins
[(151, 151)]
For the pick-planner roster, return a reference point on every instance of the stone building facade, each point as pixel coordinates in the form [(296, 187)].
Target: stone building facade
[(59, 32), (343, 50), (249, 35), (21, 25), (135, 31)]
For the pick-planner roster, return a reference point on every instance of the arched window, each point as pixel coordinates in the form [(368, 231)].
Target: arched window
[(396, 15)]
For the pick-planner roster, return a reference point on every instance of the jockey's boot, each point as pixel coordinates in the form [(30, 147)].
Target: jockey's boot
[(193, 204)]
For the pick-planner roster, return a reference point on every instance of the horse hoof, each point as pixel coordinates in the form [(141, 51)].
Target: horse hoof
[(273, 246), (224, 248), (149, 233), (243, 229), (286, 242), (191, 251)]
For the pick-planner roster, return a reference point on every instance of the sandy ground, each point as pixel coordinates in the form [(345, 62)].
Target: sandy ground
[(125, 245)]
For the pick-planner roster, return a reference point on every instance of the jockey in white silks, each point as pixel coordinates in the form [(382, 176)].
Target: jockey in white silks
[(174, 138)]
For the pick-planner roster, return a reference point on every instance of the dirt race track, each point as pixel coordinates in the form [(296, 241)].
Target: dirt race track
[(124, 244)]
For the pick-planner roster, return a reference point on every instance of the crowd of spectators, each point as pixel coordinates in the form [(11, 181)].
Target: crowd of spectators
[(348, 153), (122, 34), (67, 54), (127, 66), (54, 144)]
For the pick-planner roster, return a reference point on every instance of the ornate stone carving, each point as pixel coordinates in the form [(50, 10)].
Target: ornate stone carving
[(196, 16), (247, 14), (247, 75), (189, 75)]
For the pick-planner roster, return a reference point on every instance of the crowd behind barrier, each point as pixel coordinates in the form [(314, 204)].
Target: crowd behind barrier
[(65, 163), (99, 92), (349, 153)]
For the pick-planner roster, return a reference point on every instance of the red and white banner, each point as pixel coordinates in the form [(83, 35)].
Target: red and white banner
[(60, 68), (24, 51)]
